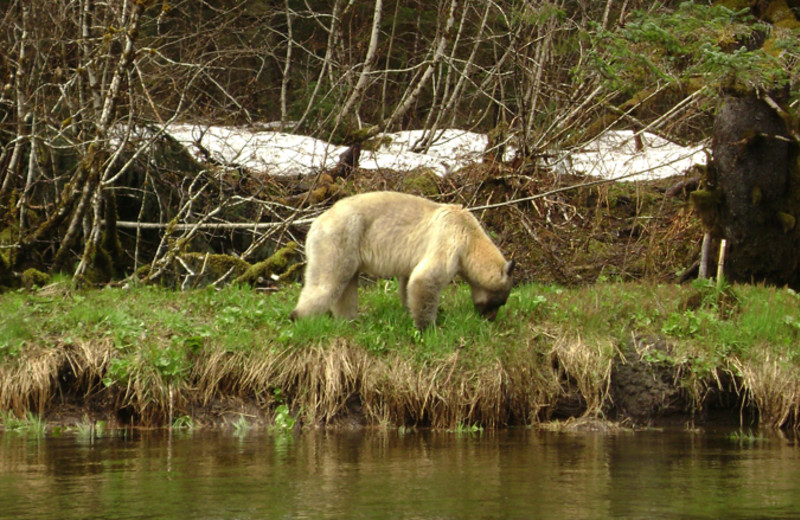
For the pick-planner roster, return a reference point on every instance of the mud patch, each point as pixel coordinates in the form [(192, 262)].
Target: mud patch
[(645, 384)]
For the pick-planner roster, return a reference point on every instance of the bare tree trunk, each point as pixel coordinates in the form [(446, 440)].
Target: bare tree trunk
[(327, 63), (413, 92), (99, 179), (464, 74), (16, 155), (288, 65), (433, 66), (357, 93)]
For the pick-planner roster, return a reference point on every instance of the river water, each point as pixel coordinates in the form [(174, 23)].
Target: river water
[(520, 474)]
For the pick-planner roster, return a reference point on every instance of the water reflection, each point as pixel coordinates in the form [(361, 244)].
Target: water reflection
[(503, 475)]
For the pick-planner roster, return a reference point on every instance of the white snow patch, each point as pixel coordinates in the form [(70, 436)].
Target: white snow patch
[(275, 153), (611, 156), (451, 149)]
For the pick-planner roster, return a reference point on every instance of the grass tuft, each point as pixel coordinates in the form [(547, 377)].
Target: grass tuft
[(31, 424)]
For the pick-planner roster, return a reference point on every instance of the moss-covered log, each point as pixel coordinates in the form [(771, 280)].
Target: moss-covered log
[(279, 266)]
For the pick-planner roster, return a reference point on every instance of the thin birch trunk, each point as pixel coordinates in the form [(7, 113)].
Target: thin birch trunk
[(12, 170), (412, 93), (97, 184), (286, 66), (454, 97), (327, 63), (357, 93)]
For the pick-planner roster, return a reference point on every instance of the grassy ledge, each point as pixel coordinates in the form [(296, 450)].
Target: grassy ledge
[(633, 352)]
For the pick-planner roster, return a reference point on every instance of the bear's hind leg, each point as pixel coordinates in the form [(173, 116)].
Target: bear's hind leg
[(347, 305)]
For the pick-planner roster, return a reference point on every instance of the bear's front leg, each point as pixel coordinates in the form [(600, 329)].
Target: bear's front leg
[(402, 288), (424, 287), (347, 305)]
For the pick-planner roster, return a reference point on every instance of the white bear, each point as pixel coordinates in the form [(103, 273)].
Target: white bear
[(387, 234)]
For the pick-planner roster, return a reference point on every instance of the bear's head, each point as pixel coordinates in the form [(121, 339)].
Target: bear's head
[(488, 301)]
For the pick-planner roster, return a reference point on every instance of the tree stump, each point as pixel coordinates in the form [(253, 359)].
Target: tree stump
[(759, 185)]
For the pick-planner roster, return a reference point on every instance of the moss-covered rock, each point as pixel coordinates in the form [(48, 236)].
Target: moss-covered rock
[(34, 278), (421, 181)]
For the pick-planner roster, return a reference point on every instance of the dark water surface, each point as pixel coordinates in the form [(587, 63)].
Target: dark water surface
[(377, 475)]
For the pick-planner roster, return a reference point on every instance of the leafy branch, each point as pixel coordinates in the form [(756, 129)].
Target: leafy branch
[(695, 46)]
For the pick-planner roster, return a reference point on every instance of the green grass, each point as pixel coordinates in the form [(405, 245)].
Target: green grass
[(31, 424), (206, 342), (165, 327)]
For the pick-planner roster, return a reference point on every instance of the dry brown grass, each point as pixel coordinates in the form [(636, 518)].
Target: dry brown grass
[(30, 382), (772, 382), (323, 382), (587, 366)]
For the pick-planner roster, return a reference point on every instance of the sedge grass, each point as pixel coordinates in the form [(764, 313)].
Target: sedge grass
[(30, 424), (150, 350)]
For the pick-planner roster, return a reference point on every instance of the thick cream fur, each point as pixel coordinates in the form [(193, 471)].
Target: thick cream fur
[(387, 234)]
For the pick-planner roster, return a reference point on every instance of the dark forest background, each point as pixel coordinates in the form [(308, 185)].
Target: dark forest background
[(88, 87)]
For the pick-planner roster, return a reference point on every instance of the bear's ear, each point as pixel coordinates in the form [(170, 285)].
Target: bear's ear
[(508, 268)]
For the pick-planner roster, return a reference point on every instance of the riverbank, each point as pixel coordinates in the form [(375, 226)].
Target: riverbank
[(633, 353)]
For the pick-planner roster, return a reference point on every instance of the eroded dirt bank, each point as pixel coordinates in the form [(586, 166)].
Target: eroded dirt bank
[(343, 387)]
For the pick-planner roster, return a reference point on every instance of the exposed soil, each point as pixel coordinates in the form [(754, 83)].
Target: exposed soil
[(642, 394)]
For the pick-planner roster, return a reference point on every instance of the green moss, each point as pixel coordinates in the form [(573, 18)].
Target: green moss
[(214, 265), (736, 5), (143, 271), (707, 202), (290, 274), (787, 221), (271, 267), (360, 135), (756, 196), (6, 275), (102, 267), (778, 11), (197, 269), (421, 181), (372, 145), (34, 278), (6, 235)]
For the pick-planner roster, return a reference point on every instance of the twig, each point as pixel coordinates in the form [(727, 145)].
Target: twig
[(129, 224), (723, 245), (574, 187), (783, 114)]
